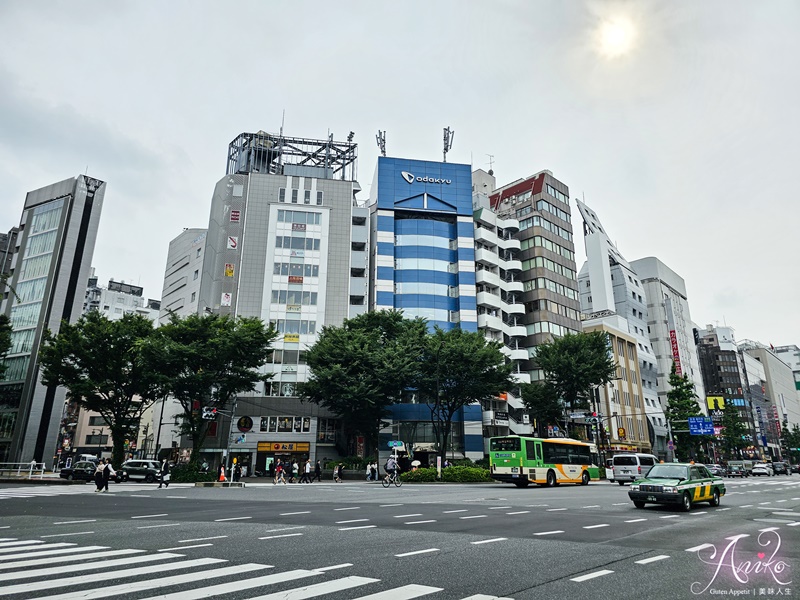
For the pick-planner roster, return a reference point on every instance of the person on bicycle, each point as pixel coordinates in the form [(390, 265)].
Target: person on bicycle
[(391, 466)]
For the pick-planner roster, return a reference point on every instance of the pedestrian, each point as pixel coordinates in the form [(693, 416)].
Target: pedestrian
[(221, 473), (306, 476), (295, 471), (318, 472), (108, 473), (369, 471), (338, 472), (279, 475), (237, 472), (164, 472), (98, 476), (373, 467), (288, 469)]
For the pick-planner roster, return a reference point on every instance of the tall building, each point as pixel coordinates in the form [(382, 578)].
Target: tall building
[(613, 300), (49, 272), (423, 263), (182, 274), (287, 242), (118, 299)]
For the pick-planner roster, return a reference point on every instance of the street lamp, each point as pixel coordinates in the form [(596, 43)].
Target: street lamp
[(99, 435)]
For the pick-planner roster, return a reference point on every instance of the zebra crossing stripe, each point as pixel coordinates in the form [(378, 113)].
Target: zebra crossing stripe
[(407, 592), (57, 551), (20, 543), (95, 566), (21, 564), (33, 545), (318, 589)]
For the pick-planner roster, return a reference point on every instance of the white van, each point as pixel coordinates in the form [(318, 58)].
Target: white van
[(630, 467)]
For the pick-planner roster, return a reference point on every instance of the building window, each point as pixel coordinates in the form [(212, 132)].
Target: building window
[(194, 295), (306, 196), (319, 198), (97, 421), (96, 440), (198, 252), (196, 274), (282, 195), (294, 196)]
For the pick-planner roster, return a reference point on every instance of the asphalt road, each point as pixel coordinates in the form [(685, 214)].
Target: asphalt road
[(359, 540)]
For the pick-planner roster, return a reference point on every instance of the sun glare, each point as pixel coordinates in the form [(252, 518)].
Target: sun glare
[(616, 37)]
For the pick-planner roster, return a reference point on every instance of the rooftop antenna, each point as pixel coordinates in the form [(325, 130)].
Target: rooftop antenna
[(491, 163), (448, 142), (283, 118), (381, 139)]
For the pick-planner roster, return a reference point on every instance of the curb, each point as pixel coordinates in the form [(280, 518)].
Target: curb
[(219, 484)]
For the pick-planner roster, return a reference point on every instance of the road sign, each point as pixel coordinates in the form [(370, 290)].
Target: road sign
[(395, 444), (701, 426), (671, 445), (577, 415)]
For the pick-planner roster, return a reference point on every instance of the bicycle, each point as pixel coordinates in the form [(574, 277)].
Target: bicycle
[(391, 478)]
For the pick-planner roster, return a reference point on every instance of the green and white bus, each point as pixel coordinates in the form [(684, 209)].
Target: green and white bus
[(525, 460)]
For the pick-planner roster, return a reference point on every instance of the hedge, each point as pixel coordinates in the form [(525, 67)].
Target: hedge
[(454, 474), (189, 474)]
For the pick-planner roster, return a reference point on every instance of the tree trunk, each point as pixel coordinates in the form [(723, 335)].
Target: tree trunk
[(118, 448)]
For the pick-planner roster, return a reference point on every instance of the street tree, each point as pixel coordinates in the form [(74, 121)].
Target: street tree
[(100, 363), (542, 401), (204, 361), (682, 404), (791, 441), (733, 430), (359, 369), (5, 341), (458, 368), (576, 364)]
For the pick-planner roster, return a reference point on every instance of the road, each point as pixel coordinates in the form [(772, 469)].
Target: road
[(359, 540)]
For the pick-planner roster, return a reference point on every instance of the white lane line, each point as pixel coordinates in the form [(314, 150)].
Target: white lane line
[(635, 520), (765, 502), (488, 541), (700, 547), (620, 504), (139, 496), (417, 552), (283, 535), (596, 526), (300, 512), (181, 497), (348, 508), (357, 527), (150, 516), (474, 517), (592, 506), (784, 513), (66, 534), (499, 507), (407, 592), (669, 517), (419, 522), (351, 521), (216, 537), (519, 512), (702, 512), (8, 539), (48, 571), (16, 542), (645, 561), (5, 527), (485, 597), (770, 529), (60, 559), (549, 532), (286, 528), (745, 506), (39, 552), (555, 509), (779, 501), (447, 512), (795, 524), (385, 505), (592, 575), (154, 526), (232, 519), (406, 516), (333, 567), (71, 522), (539, 505), (183, 548), (721, 509)]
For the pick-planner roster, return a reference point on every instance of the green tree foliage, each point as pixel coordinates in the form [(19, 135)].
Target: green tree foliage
[(5, 341), (362, 367), (733, 430), (575, 364), (101, 365), (458, 368), (205, 361), (682, 404), (543, 403), (791, 439)]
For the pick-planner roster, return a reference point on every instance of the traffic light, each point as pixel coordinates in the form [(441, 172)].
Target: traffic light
[(209, 413)]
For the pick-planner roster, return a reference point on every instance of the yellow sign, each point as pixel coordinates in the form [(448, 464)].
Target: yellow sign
[(291, 337), (715, 402), (284, 446), (228, 269), (621, 433)]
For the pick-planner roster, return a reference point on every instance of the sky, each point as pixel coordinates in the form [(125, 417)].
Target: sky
[(676, 121)]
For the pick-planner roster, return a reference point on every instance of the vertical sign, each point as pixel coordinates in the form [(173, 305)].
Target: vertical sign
[(235, 216), (233, 242), (360, 446), (676, 356), (228, 269), (226, 299)]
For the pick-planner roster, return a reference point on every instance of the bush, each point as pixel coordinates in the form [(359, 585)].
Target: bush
[(189, 474), (419, 476), (455, 474)]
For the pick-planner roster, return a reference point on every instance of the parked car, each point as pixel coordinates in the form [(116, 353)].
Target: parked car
[(780, 468), (82, 470), (795, 468), (761, 469), (630, 467), (736, 471), (137, 470)]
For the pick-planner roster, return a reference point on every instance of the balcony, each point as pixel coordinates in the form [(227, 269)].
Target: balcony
[(482, 276), (489, 299), (487, 257), (490, 322), (515, 331), (488, 417), (512, 286), (516, 353), (515, 308), (511, 265), (486, 236)]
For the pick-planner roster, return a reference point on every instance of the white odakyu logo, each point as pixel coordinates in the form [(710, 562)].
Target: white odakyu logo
[(409, 177)]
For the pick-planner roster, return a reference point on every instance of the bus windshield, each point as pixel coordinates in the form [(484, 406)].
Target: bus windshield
[(504, 445)]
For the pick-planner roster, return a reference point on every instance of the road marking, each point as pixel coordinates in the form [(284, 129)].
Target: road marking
[(216, 537), (154, 526), (184, 547), (407, 592), (21, 543), (348, 508), (331, 568), (60, 559), (150, 516), (795, 524), (301, 512), (474, 517), (595, 526), (182, 497), (5, 526), (419, 522), (519, 512), (411, 515), (485, 597), (447, 512), (645, 561), (50, 570), (417, 552), (783, 513), (385, 505), (286, 528), (721, 509), (699, 513), (539, 505), (39, 552), (779, 501), (619, 504), (499, 507), (592, 575), (669, 517), (66, 534), (765, 502), (549, 532), (357, 527), (139, 496), (351, 521), (770, 529), (555, 509), (283, 535), (773, 520), (592, 506), (232, 519), (488, 541), (71, 522), (636, 520), (745, 506), (733, 538)]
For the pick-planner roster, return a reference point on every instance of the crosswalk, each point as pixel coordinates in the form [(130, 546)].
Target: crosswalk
[(76, 490), (67, 571)]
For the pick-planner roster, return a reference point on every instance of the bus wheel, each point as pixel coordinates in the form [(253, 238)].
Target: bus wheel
[(585, 478), (522, 484), (551, 479)]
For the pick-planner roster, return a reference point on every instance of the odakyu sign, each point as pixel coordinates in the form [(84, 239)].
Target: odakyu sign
[(410, 178)]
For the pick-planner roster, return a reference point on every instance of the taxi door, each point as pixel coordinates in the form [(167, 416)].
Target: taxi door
[(701, 478)]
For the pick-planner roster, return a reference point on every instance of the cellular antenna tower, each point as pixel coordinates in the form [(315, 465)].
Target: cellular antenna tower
[(381, 139), (448, 142)]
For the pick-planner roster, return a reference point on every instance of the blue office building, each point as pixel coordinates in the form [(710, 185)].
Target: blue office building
[(422, 252)]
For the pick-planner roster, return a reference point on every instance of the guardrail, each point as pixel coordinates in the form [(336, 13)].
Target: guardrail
[(29, 470)]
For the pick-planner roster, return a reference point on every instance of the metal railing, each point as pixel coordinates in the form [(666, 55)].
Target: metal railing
[(29, 469)]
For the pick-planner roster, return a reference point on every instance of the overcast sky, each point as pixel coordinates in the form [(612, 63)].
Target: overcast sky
[(680, 130)]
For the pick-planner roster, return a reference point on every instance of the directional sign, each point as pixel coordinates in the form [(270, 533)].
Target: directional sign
[(395, 444), (577, 415), (701, 426)]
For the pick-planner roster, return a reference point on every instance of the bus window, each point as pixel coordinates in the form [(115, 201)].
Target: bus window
[(504, 445), (529, 449), (538, 451)]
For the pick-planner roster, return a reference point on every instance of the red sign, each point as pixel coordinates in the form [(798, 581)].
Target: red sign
[(295, 279), (676, 355), (235, 215), (360, 446)]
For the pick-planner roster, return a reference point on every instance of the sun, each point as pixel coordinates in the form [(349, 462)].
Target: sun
[(616, 37)]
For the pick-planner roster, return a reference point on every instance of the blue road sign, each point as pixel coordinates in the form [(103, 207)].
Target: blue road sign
[(701, 426)]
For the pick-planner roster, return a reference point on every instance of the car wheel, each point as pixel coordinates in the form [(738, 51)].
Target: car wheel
[(551, 479), (686, 502), (638, 504), (522, 484), (585, 478), (70, 477), (621, 482), (714, 498), (149, 478)]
